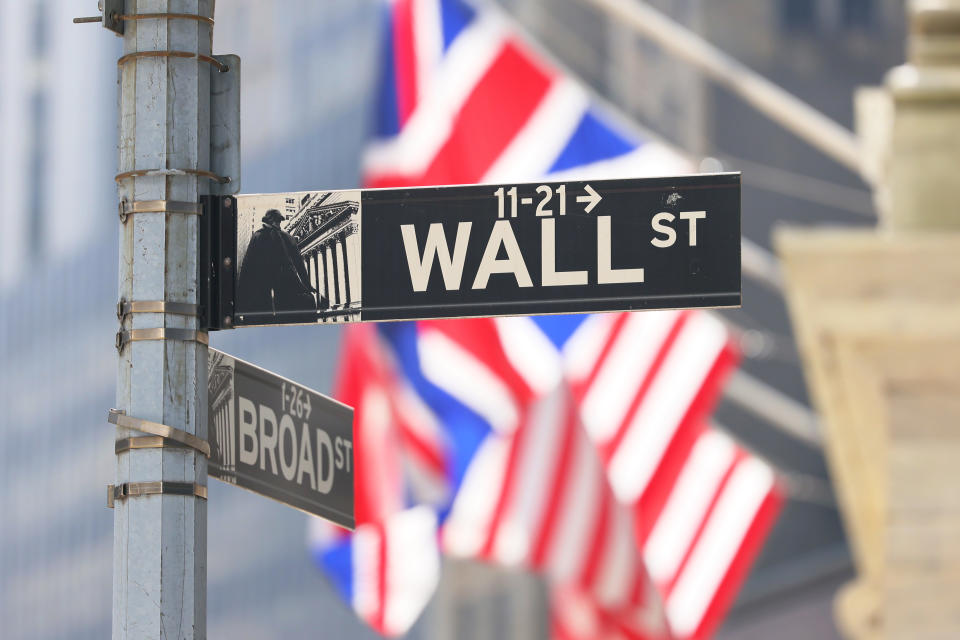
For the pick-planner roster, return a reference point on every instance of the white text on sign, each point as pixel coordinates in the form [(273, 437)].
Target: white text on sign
[(436, 247), (545, 194), (264, 439)]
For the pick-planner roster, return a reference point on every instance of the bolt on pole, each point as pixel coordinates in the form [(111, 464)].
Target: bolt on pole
[(160, 535)]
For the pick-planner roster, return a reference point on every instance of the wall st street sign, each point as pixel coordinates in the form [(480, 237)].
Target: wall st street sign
[(280, 439), (446, 252)]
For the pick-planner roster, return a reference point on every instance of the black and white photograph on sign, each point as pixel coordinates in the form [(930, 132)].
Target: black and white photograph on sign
[(298, 257), (223, 438)]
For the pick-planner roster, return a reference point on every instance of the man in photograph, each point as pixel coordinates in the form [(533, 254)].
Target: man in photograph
[(273, 277)]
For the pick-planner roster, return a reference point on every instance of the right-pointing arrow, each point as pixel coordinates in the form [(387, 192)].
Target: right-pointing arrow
[(592, 198)]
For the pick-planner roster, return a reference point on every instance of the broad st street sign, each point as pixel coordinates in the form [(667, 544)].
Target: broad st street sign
[(280, 439), (447, 252)]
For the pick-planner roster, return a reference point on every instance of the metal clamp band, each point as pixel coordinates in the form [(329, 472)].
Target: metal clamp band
[(173, 54), (158, 206), (140, 173), (138, 335), (125, 308), (146, 442), (121, 419), (135, 489), (170, 16)]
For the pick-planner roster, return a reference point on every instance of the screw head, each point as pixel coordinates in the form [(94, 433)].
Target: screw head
[(227, 262), (227, 321), (228, 202)]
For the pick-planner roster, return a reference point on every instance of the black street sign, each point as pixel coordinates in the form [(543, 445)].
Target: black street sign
[(280, 439), (485, 250)]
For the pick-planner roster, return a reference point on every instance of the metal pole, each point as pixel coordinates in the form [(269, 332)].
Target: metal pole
[(159, 561), (780, 106)]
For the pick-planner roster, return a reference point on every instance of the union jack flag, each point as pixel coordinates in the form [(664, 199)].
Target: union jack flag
[(570, 445), (464, 99)]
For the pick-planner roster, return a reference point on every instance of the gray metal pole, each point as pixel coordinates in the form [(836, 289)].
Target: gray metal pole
[(159, 558)]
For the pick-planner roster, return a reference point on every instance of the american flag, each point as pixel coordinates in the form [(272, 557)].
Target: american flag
[(570, 445)]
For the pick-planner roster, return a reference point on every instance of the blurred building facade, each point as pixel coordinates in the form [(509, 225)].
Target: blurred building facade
[(819, 50), (308, 74), (304, 126)]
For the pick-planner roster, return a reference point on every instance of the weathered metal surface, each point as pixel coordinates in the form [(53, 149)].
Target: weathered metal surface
[(159, 565), (225, 125)]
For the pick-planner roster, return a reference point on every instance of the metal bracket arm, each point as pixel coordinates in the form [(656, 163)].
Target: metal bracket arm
[(110, 16), (121, 419), (113, 20), (135, 489)]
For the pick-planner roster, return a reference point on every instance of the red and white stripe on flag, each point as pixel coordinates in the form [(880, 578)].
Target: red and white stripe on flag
[(365, 383), (399, 445), (537, 497), (394, 556), (645, 383), (715, 520), (396, 567), (574, 615), (624, 453)]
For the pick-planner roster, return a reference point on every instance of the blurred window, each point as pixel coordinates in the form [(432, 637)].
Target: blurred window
[(857, 14), (810, 16), (798, 15)]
